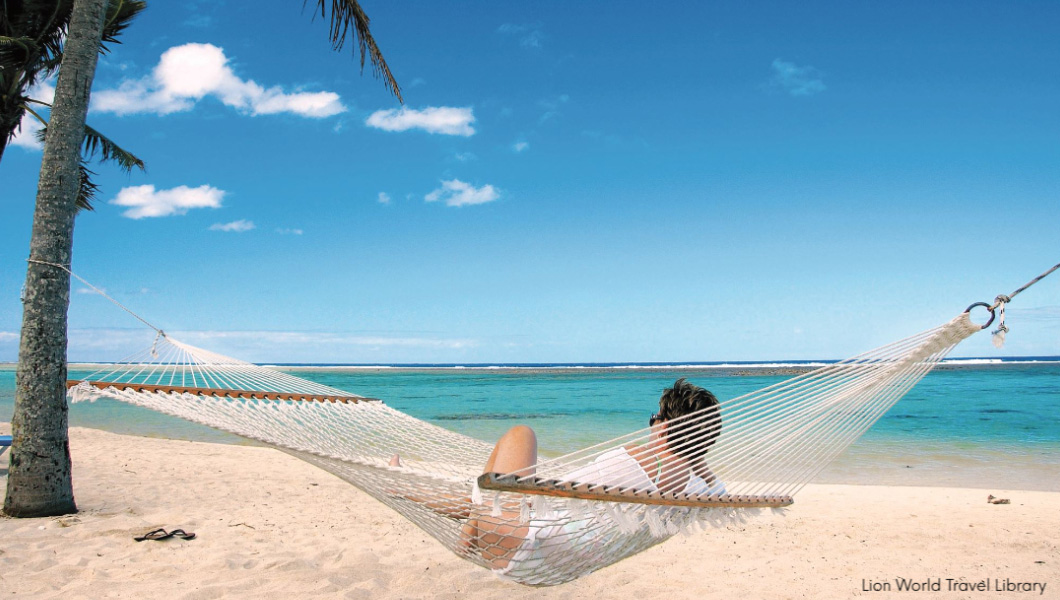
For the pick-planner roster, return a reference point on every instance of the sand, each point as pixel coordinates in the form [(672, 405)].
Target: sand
[(271, 526)]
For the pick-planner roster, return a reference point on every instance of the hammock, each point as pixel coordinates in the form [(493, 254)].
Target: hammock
[(772, 442), (574, 514)]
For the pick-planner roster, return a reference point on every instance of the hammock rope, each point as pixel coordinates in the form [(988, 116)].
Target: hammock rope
[(572, 514), (772, 442)]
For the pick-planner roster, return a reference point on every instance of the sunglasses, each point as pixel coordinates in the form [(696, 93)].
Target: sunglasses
[(652, 420)]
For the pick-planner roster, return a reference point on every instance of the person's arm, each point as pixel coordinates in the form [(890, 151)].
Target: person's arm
[(711, 484)]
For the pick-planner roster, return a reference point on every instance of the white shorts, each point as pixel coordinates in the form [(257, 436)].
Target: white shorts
[(548, 545)]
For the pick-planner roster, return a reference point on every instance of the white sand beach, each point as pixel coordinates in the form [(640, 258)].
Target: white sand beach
[(271, 526)]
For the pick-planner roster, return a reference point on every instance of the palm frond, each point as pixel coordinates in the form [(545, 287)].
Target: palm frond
[(346, 14), (35, 113), (23, 43), (120, 14), (40, 28), (109, 151), (51, 33), (86, 193)]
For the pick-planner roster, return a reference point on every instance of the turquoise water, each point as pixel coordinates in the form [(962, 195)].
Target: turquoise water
[(975, 425)]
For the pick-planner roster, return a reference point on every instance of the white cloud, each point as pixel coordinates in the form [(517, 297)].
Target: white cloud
[(465, 156), (289, 231), (144, 201), (237, 226), (796, 80), (27, 133), (43, 91), (384, 198), (457, 193), (86, 290), (29, 126), (520, 146), (447, 120), (7, 336), (186, 74)]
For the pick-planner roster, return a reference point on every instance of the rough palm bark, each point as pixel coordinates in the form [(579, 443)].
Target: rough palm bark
[(39, 479)]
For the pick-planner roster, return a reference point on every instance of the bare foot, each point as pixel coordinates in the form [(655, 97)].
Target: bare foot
[(395, 461)]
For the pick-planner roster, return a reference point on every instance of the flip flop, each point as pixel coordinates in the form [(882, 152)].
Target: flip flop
[(162, 534), (180, 533)]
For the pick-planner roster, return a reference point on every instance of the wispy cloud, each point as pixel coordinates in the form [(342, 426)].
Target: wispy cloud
[(199, 20), (384, 198), (263, 346), (446, 120), (186, 74), (457, 193), (1036, 312), (551, 106), (530, 36), (282, 338), (145, 201), (86, 290), (520, 146), (796, 80), (235, 226), (464, 156), (289, 231)]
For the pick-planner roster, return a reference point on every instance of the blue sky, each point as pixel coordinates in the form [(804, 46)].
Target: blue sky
[(566, 182)]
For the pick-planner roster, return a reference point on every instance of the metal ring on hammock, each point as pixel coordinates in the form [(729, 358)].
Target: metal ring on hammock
[(986, 306)]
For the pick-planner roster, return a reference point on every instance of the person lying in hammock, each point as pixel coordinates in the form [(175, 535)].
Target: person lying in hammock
[(687, 425)]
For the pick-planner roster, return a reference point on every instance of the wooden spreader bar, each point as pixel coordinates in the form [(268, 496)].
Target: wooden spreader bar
[(221, 392), (587, 491)]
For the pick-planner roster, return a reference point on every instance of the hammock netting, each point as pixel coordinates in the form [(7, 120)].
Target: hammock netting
[(574, 514)]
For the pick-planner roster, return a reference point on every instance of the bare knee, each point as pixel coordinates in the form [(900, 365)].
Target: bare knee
[(521, 435), (516, 452)]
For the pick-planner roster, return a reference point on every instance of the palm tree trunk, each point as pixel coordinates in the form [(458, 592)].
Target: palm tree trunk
[(39, 479)]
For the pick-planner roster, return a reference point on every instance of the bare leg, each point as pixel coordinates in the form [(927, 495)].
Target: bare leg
[(498, 537)]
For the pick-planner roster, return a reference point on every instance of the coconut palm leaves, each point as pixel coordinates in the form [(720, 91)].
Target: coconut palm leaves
[(347, 14), (95, 143), (32, 33)]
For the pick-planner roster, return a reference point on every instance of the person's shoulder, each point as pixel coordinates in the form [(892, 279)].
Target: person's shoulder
[(619, 451), (614, 456)]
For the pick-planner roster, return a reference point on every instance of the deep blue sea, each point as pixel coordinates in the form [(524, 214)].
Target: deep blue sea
[(976, 423)]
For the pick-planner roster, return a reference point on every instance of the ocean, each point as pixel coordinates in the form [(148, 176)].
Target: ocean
[(990, 423)]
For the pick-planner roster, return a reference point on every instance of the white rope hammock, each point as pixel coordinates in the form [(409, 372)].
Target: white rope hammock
[(772, 442), (573, 514)]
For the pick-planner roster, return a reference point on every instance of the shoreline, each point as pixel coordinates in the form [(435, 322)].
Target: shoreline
[(271, 526), (872, 460), (722, 368)]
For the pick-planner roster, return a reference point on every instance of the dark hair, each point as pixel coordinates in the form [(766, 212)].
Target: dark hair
[(693, 419)]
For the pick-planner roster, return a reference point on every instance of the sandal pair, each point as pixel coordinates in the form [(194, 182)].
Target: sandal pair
[(162, 534)]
